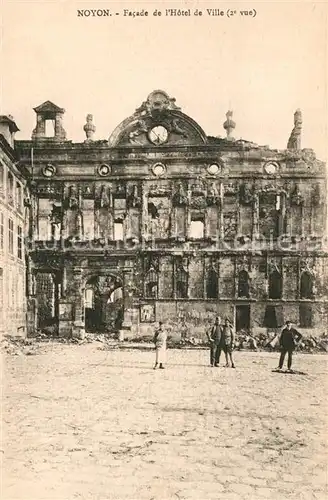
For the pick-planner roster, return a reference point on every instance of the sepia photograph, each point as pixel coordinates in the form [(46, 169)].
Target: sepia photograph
[(163, 250)]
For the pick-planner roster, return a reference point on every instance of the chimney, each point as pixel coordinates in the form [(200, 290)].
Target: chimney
[(8, 128)]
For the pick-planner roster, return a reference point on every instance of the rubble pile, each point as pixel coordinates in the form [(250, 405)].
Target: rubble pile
[(268, 342), (17, 346)]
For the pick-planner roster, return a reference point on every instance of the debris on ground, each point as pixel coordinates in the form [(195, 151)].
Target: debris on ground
[(18, 345)]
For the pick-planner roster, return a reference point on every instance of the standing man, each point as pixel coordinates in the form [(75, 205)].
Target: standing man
[(160, 338), (289, 339), (228, 342), (214, 337)]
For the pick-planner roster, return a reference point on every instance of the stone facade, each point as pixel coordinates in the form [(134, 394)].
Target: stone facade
[(12, 228), (161, 222)]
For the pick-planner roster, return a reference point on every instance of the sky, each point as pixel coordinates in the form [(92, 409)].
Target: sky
[(262, 67)]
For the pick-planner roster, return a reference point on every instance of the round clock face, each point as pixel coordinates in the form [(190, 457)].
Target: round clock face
[(104, 170), (158, 169), (214, 169), (49, 170), (271, 168), (158, 135)]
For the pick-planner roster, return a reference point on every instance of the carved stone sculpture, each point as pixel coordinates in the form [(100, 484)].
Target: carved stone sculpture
[(133, 199), (89, 128), (179, 197), (213, 195), (296, 197), (73, 197), (105, 197), (245, 194)]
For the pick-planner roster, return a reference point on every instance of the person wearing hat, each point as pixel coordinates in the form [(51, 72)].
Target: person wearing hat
[(214, 337), (289, 339), (228, 341), (160, 338)]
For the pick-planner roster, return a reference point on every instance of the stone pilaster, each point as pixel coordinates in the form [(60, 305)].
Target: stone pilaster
[(128, 288), (256, 217), (221, 216), (78, 322)]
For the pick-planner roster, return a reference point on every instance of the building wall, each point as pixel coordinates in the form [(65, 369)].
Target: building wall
[(12, 250), (184, 228)]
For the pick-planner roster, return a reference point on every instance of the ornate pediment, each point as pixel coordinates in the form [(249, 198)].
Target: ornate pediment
[(157, 102), (158, 122), (48, 107)]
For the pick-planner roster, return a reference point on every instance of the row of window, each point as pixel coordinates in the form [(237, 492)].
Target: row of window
[(11, 189), (180, 288), (12, 234)]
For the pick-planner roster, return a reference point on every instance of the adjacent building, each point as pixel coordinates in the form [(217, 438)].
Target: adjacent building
[(162, 222), (12, 227)]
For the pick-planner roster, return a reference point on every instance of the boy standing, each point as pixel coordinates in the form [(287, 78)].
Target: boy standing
[(289, 339), (160, 338)]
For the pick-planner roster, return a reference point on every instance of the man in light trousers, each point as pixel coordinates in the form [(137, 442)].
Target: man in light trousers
[(160, 339)]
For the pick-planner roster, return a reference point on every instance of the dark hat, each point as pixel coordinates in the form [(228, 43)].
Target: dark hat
[(288, 321)]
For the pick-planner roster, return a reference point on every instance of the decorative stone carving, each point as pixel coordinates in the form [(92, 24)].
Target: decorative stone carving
[(230, 188), (180, 197), (89, 128), (246, 194), (157, 101), (140, 127), (174, 125), (269, 188), (229, 224), (73, 197), (294, 141), (133, 199), (316, 195), (213, 195), (50, 190), (104, 200), (79, 225), (243, 263), (88, 191), (120, 190), (295, 196), (306, 265), (273, 267)]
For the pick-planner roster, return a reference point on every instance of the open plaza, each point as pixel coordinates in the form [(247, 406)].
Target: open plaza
[(95, 422)]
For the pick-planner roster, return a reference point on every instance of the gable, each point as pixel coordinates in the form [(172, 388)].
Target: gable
[(158, 122)]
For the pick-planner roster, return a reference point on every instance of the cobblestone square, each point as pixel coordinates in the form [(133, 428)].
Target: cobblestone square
[(85, 423)]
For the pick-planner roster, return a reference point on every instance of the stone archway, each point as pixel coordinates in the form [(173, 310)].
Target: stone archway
[(103, 304)]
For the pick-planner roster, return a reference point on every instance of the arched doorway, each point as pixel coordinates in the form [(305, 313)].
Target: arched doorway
[(103, 303)]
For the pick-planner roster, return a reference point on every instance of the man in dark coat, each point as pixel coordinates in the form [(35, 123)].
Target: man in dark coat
[(215, 339), (289, 339)]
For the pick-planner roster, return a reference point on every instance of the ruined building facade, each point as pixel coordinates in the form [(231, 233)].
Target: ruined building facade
[(161, 222), (12, 227)]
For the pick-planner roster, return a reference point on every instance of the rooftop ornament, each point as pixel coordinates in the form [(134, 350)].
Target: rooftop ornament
[(229, 125), (294, 141), (89, 128)]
